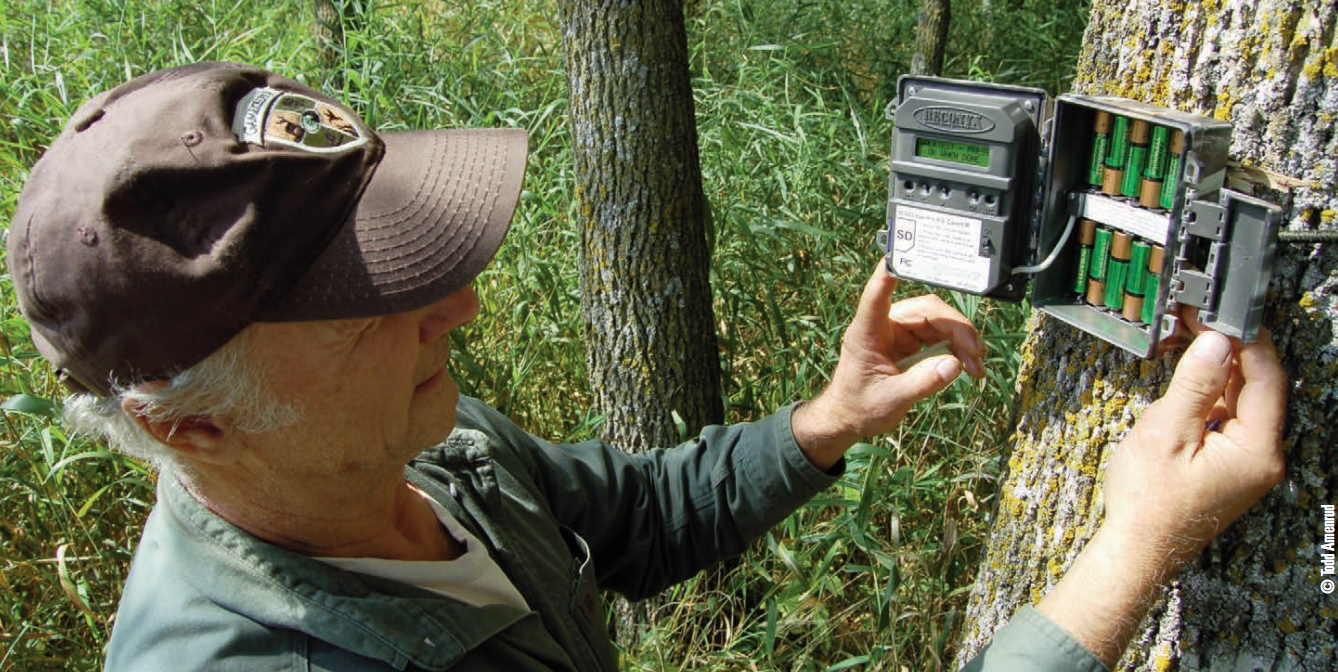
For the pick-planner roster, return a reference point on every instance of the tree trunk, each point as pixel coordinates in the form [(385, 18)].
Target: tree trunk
[(332, 19), (1254, 600), (329, 30), (931, 37), (644, 281)]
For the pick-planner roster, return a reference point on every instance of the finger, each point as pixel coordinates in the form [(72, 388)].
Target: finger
[(1234, 387), (1262, 401), (935, 350), (923, 379), (1256, 432), (1189, 315), (1196, 388), (877, 295), (928, 319)]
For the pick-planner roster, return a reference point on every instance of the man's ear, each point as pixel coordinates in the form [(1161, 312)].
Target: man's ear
[(197, 438)]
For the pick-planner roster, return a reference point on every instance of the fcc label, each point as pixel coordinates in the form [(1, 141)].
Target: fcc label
[(939, 248)]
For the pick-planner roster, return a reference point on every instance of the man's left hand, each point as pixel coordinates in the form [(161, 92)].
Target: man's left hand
[(869, 394)]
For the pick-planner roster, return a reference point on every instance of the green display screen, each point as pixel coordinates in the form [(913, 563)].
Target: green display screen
[(956, 152)]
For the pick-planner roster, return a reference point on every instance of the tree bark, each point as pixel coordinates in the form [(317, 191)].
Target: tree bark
[(1254, 599), (329, 31), (931, 37), (644, 281), (332, 19)]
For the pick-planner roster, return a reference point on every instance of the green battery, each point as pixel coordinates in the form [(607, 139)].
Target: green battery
[(1135, 286), (1138, 155), (1096, 273), (1100, 141), (1177, 147), (1116, 156), (1153, 283), (1150, 194), (1120, 249), (1086, 239)]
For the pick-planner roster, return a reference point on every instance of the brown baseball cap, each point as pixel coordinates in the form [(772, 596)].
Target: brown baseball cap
[(186, 204)]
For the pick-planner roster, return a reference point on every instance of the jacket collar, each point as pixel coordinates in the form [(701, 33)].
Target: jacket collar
[(391, 622)]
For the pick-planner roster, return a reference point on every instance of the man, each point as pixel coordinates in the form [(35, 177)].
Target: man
[(248, 287)]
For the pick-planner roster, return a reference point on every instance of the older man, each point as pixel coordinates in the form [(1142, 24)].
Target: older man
[(250, 288)]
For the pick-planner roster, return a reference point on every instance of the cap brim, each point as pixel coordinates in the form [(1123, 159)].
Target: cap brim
[(431, 218)]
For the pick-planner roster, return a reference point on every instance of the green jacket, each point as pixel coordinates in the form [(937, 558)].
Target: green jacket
[(562, 522)]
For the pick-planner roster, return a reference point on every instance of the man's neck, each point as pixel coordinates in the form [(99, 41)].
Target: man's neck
[(388, 519)]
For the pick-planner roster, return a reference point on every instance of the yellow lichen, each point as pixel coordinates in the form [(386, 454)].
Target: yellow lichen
[(1055, 567), (1225, 101), (1162, 663)]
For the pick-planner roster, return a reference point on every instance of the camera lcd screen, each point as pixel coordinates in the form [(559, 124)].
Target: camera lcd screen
[(955, 152)]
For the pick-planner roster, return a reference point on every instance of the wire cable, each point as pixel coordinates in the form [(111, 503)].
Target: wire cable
[(1054, 254), (1303, 237)]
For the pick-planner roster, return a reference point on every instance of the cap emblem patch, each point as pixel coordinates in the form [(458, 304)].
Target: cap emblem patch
[(270, 117)]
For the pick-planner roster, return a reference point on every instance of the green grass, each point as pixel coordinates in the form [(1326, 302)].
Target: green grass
[(794, 146)]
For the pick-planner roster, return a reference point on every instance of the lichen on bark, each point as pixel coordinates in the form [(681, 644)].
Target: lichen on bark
[(1252, 601)]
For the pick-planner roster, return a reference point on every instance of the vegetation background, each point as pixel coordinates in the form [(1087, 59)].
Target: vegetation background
[(791, 98)]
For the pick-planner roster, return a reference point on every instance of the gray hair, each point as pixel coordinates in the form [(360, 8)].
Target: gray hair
[(230, 383)]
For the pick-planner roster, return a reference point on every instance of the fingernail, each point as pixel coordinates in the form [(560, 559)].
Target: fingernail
[(1211, 348), (948, 367)]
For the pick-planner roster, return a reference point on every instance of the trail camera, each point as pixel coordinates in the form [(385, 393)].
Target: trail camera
[(1111, 211)]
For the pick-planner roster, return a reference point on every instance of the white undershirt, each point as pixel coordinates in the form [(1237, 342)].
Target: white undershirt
[(473, 578)]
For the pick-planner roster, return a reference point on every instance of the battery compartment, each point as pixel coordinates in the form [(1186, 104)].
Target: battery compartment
[(1129, 228)]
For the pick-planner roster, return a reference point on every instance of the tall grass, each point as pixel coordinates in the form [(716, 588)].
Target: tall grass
[(794, 141)]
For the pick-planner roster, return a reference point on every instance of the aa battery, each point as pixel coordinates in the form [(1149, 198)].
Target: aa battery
[(1177, 147), (1100, 142), (1138, 156), (1117, 270), (1116, 157), (1096, 275), (1155, 172), (1153, 283), (1086, 239), (1135, 286)]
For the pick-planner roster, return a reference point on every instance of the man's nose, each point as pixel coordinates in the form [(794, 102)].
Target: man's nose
[(456, 310)]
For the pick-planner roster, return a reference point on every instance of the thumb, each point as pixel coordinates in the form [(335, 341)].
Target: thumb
[(1198, 384), (924, 379)]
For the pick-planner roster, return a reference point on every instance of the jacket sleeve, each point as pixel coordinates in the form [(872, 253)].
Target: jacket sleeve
[(1032, 642), (654, 519)]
